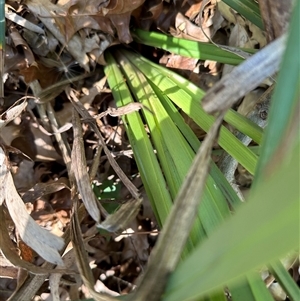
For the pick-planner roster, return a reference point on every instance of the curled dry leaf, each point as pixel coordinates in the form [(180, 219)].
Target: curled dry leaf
[(122, 217), (12, 112), (40, 240), (19, 41), (7, 249), (208, 19)]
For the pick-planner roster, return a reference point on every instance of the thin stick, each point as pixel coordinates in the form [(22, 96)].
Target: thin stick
[(2, 49)]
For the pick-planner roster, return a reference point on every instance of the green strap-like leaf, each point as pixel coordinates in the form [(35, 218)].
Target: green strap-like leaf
[(149, 169), (247, 8), (188, 48), (247, 240), (177, 91)]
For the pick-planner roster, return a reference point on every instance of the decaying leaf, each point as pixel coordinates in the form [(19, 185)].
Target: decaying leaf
[(41, 189), (80, 172), (119, 13), (122, 217), (201, 25), (42, 241), (179, 62), (276, 16), (12, 112), (44, 9), (82, 259), (7, 249), (19, 41)]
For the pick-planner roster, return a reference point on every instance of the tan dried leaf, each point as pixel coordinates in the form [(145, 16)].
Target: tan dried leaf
[(79, 168), (11, 113), (44, 9), (7, 249), (40, 240), (41, 189), (119, 13), (122, 217)]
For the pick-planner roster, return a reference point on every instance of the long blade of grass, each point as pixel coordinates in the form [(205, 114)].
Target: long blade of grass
[(266, 194), (213, 208), (174, 153), (191, 138), (250, 288), (247, 8), (149, 168), (241, 244), (168, 250), (241, 123), (284, 113), (283, 128), (285, 280), (188, 48), (177, 92)]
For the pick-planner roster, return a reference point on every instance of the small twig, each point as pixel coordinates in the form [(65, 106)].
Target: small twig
[(86, 116), (95, 164), (127, 109), (63, 144)]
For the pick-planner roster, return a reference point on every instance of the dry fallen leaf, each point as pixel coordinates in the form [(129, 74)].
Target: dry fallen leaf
[(44, 9), (122, 217), (8, 250), (79, 168), (42, 241), (119, 13)]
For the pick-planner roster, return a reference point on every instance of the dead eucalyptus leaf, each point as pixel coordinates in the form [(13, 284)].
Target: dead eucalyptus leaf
[(40, 240)]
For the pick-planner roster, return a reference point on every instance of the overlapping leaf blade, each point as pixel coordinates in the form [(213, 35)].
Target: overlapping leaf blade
[(149, 168)]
